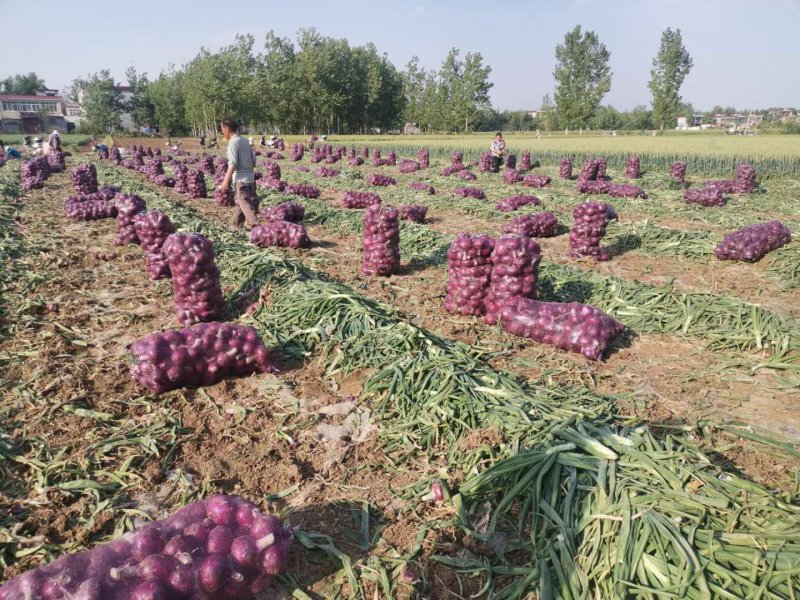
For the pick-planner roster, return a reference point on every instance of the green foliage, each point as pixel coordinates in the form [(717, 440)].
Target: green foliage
[(101, 102), (670, 67), (25, 84), (583, 77), (166, 94), (140, 106)]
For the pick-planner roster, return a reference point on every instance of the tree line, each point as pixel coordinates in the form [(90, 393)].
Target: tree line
[(321, 84)]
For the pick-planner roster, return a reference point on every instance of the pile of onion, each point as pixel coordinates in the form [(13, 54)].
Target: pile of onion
[(467, 175), (536, 181), (485, 162), (153, 228), (206, 164), (356, 161), (744, 180), (633, 167), (512, 203), (468, 274), (273, 184), (128, 206), (154, 169), (625, 190), (219, 548), (468, 192), (55, 159), (380, 180), (351, 199), (565, 168), (424, 158), (89, 207), (272, 170), (571, 326), (116, 157), (593, 186), (196, 184), (677, 171), (285, 211), (751, 243), (413, 212), (511, 176), (409, 166), (591, 219), (525, 161), (539, 225), (421, 186), (34, 172), (300, 189), (181, 174), (515, 270), (511, 161), (391, 159), (84, 178), (589, 170), (326, 172), (706, 196), (195, 278), (381, 241), (281, 234)]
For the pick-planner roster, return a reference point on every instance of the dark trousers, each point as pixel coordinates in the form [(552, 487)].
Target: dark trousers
[(496, 160), (247, 202)]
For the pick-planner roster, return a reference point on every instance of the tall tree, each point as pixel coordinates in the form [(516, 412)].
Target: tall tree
[(101, 102), (549, 118), (140, 106), (670, 67), (166, 94), (583, 77), (24, 84)]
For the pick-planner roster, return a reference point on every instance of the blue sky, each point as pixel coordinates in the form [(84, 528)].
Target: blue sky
[(745, 53)]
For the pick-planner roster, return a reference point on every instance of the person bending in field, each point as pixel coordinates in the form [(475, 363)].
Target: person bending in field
[(241, 159), (102, 151), (498, 149)]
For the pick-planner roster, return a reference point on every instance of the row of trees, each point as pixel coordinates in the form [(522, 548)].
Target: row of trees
[(317, 83)]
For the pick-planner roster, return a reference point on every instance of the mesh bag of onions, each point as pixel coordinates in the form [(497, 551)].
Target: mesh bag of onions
[(467, 175), (525, 161), (273, 184), (632, 167), (724, 186), (625, 190), (539, 225), (753, 242), (196, 184), (515, 269), (223, 198), (272, 170), (511, 161), (116, 157), (91, 207), (677, 171), (364, 152), (744, 181), (285, 211), (197, 356), (707, 196), (55, 160), (413, 212), (281, 234), (591, 219), (511, 176), (154, 169), (593, 186), (602, 166), (34, 172), (181, 175), (589, 171), (195, 278), (468, 192), (356, 161), (469, 270), (381, 241), (379, 180), (326, 172), (565, 169), (409, 166), (391, 159), (424, 158), (153, 228), (351, 199), (536, 181), (219, 548), (206, 164), (84, 178), (513, 203), (485, 162), (300, 189), (128, 206), (421, 186), (571, 326)]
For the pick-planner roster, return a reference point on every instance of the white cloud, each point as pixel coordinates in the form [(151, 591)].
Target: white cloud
[(421, 12)]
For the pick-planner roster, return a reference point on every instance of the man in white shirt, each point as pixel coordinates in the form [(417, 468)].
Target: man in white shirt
[(241, 160)]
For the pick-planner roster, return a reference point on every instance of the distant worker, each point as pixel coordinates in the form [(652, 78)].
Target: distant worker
[(54, 142), (12, 152), (102, 151), (311, 141), (26, 141), (498, 150), (241, 159), (263, 141), (202, 140), (273, 141), (538, 134)]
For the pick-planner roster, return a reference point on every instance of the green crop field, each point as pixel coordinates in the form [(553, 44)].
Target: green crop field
[(417, 450)]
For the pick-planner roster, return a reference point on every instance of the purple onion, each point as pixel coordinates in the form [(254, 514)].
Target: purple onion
[(536, 181), (152, 229), (512, 203), (515, 270), (751, 243), (413, 212), (381, 255), (565, 168), (421, 186), (539, 225), (84, 178), (677, 171), (632, 167), (285, 211), (707, 196), (485, 162), (469, 272), (591, 219), (424, 158), (195, 278), (299, 189), (280, 234), (468, 192), (380, 180), (525, 161), (511, 176), (128, 206), (352, 199), (326, 172)]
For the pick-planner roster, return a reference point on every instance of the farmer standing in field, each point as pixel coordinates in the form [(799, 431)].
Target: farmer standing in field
[(54, 142), (498, 149), (241, 159)]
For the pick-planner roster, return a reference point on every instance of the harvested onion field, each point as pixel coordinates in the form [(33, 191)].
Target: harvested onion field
[(417, 452)]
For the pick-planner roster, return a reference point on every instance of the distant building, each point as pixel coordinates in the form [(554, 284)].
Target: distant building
[(693, 122), (411, 129), (784, 115), (534, 114), (32, 114)]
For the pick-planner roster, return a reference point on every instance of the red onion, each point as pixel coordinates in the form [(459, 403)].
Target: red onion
[(512, 203), (525, 161), (356, 161), (424, 158), (409, 166), (351, 199), (632, 167), (565, 169), (751, 243), (467, 192), (485, 162), (536, 181), (421, 186), (575, 327), (152, 229), (325, 172), (625, 190), (381, 241), (181, 174), (467, 175), (413, 212), (515, 270), (539, 225), (285, 211), (55, 160), (511, 161), (196, 184), (89, 207), (591, 219), (589, 172), (708, 196), (511, 176), (299, 189), (128, 206), (281, 234), (195, 278), (84, 178), (469, 272), (744, 181), (677, 171), (380, 180), (391, 159)]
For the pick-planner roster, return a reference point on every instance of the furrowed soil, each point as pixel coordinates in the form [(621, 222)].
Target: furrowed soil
[(69, 409)]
